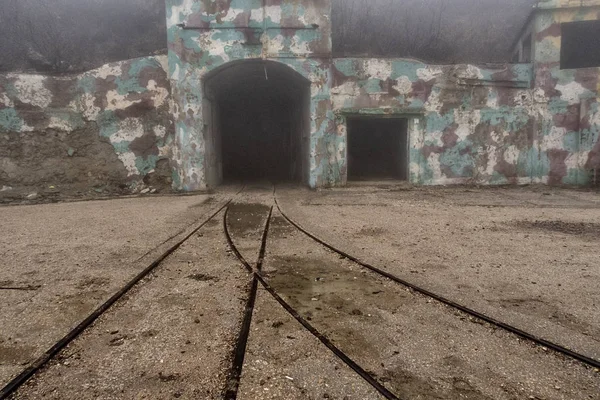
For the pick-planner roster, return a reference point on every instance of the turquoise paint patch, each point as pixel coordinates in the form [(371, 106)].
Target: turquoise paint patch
[(87, 83), (129, 81), (346, 66), (459, 159), (571, 141), (121, 147), (146, 164), (10, 120), (406, 68), (372, 86), (108, 123), (498, 179), (576, 176), (439, 123), (557, 106)]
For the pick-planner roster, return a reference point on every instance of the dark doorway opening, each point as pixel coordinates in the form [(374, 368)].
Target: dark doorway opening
[(377, 148), (260, 121)]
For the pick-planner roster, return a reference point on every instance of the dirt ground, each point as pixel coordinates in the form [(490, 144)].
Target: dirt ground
[(72, 257), (526, 256)]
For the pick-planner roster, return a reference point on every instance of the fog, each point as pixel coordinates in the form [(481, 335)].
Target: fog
[(62, 36)]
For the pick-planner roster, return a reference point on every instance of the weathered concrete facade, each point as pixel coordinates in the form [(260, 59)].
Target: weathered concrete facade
[(109, 126), (530, 122), (519, 123)]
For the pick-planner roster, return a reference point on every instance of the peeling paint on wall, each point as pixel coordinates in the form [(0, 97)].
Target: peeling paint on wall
[(126, 103), (500, 124)]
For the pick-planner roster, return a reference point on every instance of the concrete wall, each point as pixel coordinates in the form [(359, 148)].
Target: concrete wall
[(106, 129), (278, 30), (149, 122), (467, 124), (567, 105)]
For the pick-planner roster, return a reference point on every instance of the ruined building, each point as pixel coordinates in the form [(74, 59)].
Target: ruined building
[(250, 90)]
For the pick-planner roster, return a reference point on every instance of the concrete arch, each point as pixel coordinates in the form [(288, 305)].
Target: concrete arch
[(257, 122)]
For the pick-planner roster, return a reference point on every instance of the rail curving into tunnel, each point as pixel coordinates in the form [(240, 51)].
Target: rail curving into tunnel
[(257, 116)]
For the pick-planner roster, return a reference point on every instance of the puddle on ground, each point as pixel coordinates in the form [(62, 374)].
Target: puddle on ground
[(247, 218)]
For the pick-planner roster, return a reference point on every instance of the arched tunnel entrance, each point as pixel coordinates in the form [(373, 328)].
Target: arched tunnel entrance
[(259, 123)]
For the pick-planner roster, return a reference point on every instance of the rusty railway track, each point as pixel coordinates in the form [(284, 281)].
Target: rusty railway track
[(232, 383), (242, 340), (439, 298), (18, 381)]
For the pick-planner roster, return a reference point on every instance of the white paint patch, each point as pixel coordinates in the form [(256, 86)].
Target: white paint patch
[(164, 62), (129, 130), (31, 90), (511, 155), (256, 14), (433, 103), (161, 94), (342, 93), (467, 121), (492, 160), (429, 73), (85, 105), (184, 9), (232, 14), (576, 160), (499, 137), (595, 119), (5, 101), (571, 92), (554, 140), (128, 160), (107, 70), (378, 69), (160, 131), (539, 96), (471, 72), (60, 124), (403, 85), (433, 161), (176, 73), (27, 128), (492, 102), (436, 138), (275, 45), (116, 101), (299, 47), (274, 13)]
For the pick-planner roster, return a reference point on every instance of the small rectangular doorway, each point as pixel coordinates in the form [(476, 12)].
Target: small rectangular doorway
[(377, 148)]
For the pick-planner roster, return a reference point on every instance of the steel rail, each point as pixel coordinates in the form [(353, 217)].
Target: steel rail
[(41, 361), (476, 314), (322, 338), (235, 372)]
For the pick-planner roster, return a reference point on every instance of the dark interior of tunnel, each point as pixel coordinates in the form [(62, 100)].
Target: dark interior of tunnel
[(377, 148), (261, 118)]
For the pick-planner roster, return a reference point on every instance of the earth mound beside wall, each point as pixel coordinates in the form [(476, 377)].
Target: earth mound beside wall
[(104, 132)]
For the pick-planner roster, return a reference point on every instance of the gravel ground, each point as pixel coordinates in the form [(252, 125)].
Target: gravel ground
[(284, 361), (418, 348), (526, 256), (171, 337), (73, 257)]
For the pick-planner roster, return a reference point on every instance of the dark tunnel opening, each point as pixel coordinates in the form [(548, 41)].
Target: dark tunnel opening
[(377, 148), (260, 122)]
